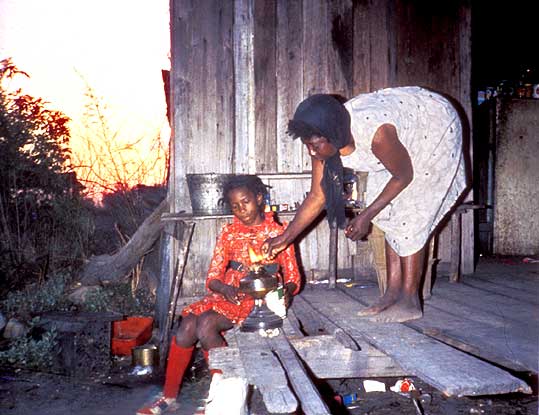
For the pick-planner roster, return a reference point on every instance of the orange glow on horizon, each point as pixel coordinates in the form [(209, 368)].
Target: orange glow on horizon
[(118, 49)]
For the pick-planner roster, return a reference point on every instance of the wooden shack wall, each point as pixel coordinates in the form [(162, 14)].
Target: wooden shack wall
[(239, 68)]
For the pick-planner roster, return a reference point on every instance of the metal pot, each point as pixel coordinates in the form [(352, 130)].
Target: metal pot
[(206, 193), (145, 355), (258, 283)]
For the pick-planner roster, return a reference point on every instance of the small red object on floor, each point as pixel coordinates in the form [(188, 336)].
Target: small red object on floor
[(129, 333)]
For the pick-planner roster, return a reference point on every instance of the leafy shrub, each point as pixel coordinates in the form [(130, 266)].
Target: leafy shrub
[(37, 298), (32, 352), (119, 298)]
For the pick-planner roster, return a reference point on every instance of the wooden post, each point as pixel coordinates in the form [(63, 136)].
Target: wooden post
[(332, 267), (431, 262), (454, 273)]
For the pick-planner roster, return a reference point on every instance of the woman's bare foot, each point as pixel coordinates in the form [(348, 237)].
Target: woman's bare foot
[(403, 310), (383, 302)]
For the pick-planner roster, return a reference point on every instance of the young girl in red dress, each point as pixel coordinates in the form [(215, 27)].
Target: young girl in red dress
[(224, 306)]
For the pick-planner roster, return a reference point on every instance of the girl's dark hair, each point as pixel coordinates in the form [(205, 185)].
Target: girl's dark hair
[(250, 181)]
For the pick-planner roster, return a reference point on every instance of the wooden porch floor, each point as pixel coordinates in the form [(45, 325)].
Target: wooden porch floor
[(492, 316)]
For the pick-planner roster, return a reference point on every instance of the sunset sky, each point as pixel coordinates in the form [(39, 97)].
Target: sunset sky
[(117, 47)]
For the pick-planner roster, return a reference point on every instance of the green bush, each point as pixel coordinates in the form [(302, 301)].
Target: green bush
[(31, 353), (37, 298)]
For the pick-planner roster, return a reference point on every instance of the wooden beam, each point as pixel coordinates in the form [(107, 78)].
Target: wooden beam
[(313, 321), (310, 399), (327, 358), (465, 98), (263, 369), (244, 79)]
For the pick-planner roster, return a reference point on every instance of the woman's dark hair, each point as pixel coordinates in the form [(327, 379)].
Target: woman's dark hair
[(250, 181), (325, 115)]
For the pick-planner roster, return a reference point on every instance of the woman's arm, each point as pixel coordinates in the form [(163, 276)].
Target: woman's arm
[(387, 147), (306, 214)]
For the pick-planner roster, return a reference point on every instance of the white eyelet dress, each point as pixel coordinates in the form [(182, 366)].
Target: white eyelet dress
[(429, 127)]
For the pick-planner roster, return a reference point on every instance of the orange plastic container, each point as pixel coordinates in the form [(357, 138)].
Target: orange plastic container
[(129, 333)]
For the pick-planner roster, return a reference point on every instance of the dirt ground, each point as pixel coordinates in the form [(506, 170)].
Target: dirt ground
[(121, 393)]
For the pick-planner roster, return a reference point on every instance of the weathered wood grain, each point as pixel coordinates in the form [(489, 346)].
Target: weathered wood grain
[(513, 345), (315, 321), (463, 34), (327, 358), (289, 74), (340, 33), (265, 84), (449, 370), (361, 48), (496, 304), (263, 369), (527, 293), (310, 399), (244, 79), (493, 327)]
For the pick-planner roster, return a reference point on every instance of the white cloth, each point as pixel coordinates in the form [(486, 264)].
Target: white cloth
[(430, 129)]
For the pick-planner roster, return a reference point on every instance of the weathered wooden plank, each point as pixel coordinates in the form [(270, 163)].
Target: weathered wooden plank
[(263, 369), (497, 304), (315, 54), (528, 292), (449, 370), (314, 321), (340, 34), (198, 262), (329, 359), (289, 82), (203, 86), (362, 48), (265, 84), (463, 34), (502, 337), (228, 360), (379, 21), (514, 346), (310, 399), (245, 133)]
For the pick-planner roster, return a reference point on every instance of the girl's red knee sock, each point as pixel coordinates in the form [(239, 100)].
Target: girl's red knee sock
[(178, 360)]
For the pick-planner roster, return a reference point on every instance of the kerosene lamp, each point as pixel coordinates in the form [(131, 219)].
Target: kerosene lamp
[(260, 280)]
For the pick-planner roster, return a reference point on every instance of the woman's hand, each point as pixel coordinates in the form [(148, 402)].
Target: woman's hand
[(228, 291), (272, 246), (358, 227)]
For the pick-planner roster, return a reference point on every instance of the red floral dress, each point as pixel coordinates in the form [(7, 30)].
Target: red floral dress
[(233, 245)]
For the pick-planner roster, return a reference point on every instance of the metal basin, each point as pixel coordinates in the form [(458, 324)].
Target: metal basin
[(206, 193)]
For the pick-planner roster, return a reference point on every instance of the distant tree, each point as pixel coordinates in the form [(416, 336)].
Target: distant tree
[(42, 219)]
